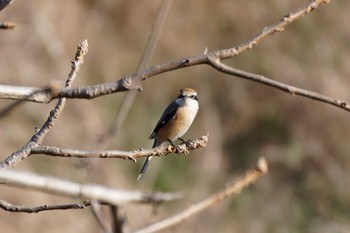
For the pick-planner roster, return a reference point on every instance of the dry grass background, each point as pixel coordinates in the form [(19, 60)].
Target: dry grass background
[(305, 142)]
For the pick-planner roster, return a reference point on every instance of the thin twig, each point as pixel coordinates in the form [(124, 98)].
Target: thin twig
[(233, 189), (9, 108), (39, 135), (56, 112), (147, 55), (36, 209), (120, 222), (84, 191), (278, 85), (127, 155), (101, 219)]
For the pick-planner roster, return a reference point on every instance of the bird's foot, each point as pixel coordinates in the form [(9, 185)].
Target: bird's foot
[(188, 143), (177, 148), (159, 151)]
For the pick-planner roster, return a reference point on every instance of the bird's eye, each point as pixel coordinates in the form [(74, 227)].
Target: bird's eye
[(193, 97)]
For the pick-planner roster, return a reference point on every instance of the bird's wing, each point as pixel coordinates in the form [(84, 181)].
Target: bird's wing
[(167, 115)]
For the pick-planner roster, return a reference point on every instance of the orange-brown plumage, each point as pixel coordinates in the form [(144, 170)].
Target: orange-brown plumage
[(174, 122)]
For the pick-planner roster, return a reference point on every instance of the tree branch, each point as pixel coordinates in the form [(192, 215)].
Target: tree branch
[(84, 191), (132, 82), (56, 112), (127, 155), (100, 217), (215, 63), (120, 222), (39, 135), (231, 190), (36, 209), (147, 55)]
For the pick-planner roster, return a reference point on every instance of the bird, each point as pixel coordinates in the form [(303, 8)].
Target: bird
[(174, 122)]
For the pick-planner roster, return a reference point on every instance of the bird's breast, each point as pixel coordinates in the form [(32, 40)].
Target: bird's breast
[(178, 125)]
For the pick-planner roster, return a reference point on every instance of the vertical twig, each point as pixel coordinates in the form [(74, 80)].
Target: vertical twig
[(101, 219), (120, 222), (129, 97)]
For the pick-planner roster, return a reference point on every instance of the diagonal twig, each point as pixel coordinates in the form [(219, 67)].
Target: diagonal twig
[(231, 190), (147, 55), (215, 63), (100, 217), (39, 135)]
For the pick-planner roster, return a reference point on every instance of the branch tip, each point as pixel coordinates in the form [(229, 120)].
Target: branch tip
[(7, 25), (83, 48), (262, 165), (205, 51)]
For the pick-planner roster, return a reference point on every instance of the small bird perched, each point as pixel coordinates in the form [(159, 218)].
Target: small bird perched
[(174, 122)]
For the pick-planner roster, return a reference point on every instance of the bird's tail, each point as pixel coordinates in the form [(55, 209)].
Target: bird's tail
[(144, 167)]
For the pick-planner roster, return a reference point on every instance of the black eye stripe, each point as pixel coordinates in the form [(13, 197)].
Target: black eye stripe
[(194, 97)]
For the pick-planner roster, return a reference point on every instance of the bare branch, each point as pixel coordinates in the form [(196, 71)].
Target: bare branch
[(83, 191), (34, 148), (56, 112), (120, 222), (231, 190), (7, 109), (132, 82), (36, 209), (44, 95), (278, 85), (147, 55), (128, 82), (127, 155), (96, 210), (39, 135)]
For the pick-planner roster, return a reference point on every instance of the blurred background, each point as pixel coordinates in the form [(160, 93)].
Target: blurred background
[(305, 142)]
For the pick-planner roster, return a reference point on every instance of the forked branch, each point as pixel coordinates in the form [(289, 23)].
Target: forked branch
[(132, 82)]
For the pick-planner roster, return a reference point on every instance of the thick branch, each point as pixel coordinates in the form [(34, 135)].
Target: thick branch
[(82, 191), (233, 189)]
